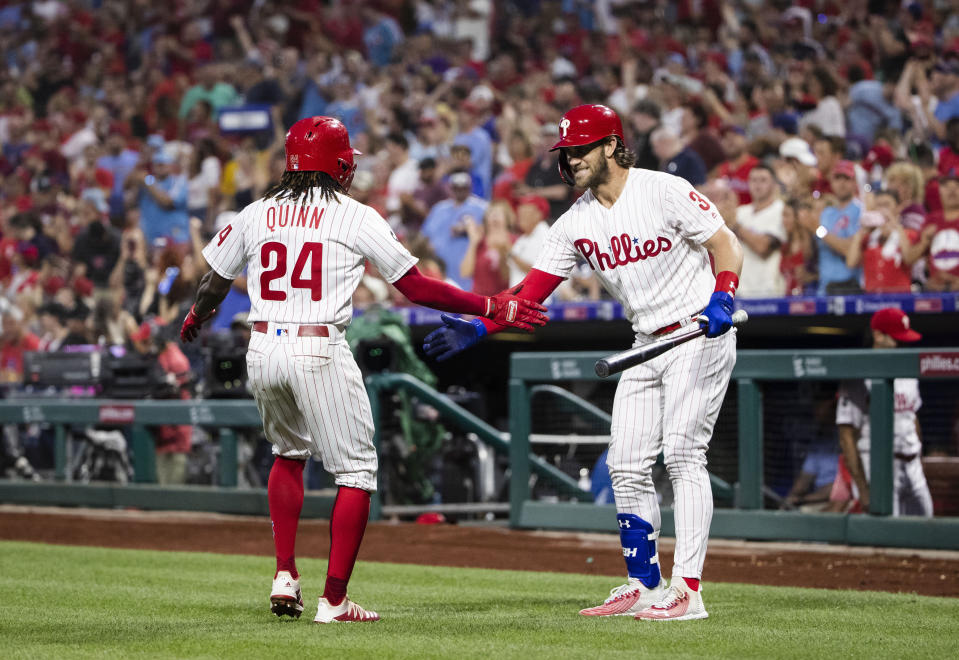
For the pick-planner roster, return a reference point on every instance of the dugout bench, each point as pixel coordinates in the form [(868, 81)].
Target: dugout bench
[(748, 520)]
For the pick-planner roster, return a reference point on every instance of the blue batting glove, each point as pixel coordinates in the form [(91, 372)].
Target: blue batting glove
[(718, 314), (453, 336)]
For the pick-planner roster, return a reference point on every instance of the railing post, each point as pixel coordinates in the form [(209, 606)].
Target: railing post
[(519, 427), (750, 444), (144, 456), (881, 446), (60, 458), (373, 391), (228, 458)]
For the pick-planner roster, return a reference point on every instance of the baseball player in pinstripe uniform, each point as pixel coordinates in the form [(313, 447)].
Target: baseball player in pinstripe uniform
[(649, 237), (304, 244), (890, 328)]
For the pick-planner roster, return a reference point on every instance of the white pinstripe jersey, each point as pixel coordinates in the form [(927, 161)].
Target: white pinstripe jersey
[(305, 260), (647, 250), (853, 408)]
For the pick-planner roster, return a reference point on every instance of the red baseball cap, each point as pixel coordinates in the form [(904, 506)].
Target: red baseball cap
[(894, 322), (535, 200), (880, 154), (845, 168)]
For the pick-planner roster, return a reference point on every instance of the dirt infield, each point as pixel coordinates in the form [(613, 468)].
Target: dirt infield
[(929, 573)]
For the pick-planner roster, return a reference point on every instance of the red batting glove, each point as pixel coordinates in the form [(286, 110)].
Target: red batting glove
[(506, 309), (192, 324)]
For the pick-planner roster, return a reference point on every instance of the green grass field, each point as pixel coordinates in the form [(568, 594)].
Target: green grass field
[(59, 602)]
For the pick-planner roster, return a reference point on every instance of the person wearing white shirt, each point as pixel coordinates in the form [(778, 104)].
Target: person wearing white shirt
[(828, 114), (531, 214), (404, 178), (203, 185), (759, 226)]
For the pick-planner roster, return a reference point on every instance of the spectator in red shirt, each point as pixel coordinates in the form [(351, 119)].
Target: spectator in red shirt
[(906, 180), (739, 162), (183, 54), (87, 174), (521, 154), (940, 237), (883, 247), (949, 154), (486, 259), (925, 159), (172, 441), (828, 151), (15, 340)]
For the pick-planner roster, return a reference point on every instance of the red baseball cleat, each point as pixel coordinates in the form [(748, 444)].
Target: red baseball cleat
[(680, 603), (627, 599)]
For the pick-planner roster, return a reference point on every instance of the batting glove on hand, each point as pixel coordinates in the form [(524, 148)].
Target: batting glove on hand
[(454, 336), (506, 309), (192, 324), (717, 317)]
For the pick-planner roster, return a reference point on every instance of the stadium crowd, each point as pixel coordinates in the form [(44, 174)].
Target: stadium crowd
[(826, 133)]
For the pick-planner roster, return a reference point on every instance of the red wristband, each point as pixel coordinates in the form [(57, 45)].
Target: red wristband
[(727, 281)]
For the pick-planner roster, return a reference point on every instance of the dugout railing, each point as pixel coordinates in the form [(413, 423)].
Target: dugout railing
[(225, 419), (747, 519), (532, 374)]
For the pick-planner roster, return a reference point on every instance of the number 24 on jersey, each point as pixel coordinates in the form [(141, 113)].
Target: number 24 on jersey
[(301, 278), (307, 270)]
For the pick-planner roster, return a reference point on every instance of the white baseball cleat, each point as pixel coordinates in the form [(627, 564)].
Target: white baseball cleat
[(345, 612), (285, 598), (628, 599), (679, 603)]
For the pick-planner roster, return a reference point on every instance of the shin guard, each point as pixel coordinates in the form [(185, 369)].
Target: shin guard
[(639, 549)]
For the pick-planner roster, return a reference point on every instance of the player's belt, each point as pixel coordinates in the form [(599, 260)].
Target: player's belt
[(302, 331), (906, 457), (666, 329)]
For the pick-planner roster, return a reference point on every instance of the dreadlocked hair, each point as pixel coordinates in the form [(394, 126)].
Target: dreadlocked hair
[(294, 185), (623, 156)]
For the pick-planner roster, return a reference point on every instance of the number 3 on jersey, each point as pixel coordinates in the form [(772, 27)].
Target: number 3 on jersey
[(311, 252)]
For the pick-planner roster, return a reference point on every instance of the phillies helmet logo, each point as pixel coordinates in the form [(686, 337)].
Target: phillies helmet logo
[(564, 126)]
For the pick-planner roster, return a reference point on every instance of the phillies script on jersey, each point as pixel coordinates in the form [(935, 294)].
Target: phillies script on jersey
[(624, 249)]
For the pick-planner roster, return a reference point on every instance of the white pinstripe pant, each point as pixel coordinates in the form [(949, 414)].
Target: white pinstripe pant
[(670, 405), (312, 400)]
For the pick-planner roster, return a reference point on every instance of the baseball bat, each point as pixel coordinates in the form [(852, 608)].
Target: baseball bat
[(630, 358)]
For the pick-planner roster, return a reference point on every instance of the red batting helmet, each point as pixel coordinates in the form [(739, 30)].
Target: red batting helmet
[(585, 124), (321, 144)]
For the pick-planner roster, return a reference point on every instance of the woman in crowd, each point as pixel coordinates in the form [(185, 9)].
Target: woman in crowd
[(798, 263), (203, 185), (486, 258), (882, 247)]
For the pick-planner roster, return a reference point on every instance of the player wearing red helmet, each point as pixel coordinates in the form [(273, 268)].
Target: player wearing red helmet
[(305, 244), (649, 237), (584, 126), (320, 144)]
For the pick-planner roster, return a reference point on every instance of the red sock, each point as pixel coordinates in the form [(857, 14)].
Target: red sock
[(692, 583), (347, 525), (285, 494)]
